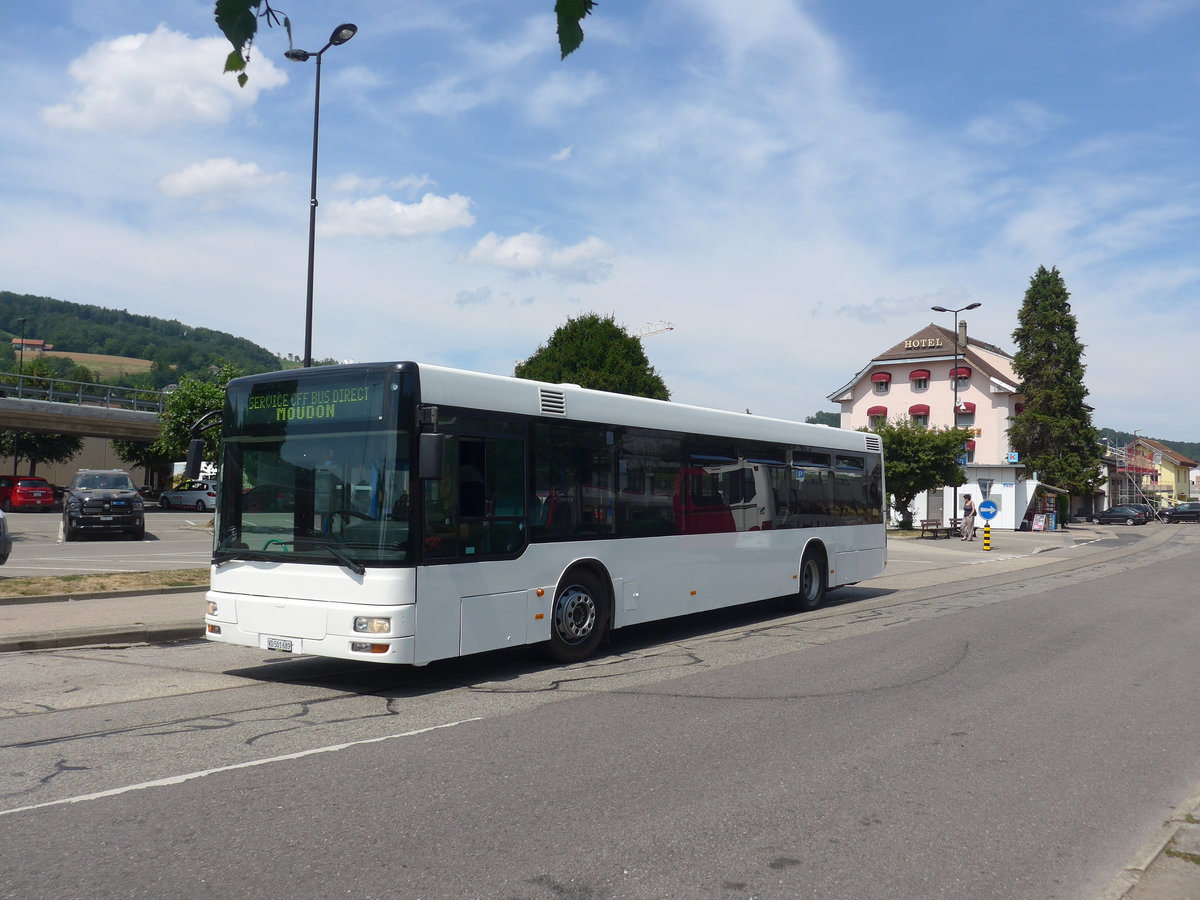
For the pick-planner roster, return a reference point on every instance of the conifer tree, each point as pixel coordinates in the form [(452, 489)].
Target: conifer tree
[(1054, 432)]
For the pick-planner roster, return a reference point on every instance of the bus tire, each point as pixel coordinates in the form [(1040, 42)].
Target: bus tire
[(579, 617), (811, 592)]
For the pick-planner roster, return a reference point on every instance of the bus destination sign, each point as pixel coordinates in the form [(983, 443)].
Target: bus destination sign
[(330, 403)]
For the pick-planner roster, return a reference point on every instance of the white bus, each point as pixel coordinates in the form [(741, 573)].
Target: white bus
[(405, 513)]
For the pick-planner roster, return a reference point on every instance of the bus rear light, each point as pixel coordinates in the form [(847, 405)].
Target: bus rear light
[(372, 624), (214, 629), (364, 647)]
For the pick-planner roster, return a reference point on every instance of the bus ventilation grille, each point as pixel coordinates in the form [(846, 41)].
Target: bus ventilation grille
[(874, 443), (554, 403)]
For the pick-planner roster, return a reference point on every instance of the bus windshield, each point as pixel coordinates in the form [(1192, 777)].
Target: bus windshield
[(315, 468)]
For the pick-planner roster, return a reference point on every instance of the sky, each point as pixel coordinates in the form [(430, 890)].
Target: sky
[(792, 185)]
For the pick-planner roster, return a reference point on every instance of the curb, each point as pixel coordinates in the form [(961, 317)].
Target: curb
[(131, 634), (99, 595)]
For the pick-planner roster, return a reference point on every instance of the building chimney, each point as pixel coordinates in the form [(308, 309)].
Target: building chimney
[(962, 334)]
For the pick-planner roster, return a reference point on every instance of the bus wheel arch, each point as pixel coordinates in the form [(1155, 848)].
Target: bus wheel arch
[(813, 577), (580, 612)]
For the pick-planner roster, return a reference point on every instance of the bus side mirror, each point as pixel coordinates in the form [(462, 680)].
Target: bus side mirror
[(195, 455), (432, 450)]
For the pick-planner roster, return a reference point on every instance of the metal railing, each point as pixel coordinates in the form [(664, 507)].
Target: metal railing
[(80, 393)]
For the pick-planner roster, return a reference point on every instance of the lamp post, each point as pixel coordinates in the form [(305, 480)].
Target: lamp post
[(340, 35), (954, 377), (21, 368)]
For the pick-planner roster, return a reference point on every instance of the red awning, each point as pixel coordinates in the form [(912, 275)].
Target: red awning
[(1018, 408), (918, 373), (966, 406), (885, 377), (919, 409), (970, 445), (961, 372), (877, 411)]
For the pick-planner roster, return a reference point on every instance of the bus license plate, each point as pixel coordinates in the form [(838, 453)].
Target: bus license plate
[(283, 645)]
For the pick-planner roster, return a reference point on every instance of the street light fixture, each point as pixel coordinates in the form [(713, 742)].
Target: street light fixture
[(954, 376), (339, 36)]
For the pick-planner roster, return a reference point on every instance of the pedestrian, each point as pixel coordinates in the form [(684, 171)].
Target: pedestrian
[(968, 522)]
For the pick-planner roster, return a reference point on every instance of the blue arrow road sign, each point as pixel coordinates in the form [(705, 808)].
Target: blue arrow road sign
[(988, 509)]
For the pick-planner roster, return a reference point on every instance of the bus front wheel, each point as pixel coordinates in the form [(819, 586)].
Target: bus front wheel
[(579, 618)]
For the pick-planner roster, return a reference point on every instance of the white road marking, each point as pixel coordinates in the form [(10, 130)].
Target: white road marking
[(179, 779)]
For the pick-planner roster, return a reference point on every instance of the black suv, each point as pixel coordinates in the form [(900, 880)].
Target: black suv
[(103, 500)]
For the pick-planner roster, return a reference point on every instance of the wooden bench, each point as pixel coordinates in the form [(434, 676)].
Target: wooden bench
[(934, 528)]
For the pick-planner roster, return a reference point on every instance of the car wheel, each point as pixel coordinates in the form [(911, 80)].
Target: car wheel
[(164, 502), (138, 534), (6, 505), (200, 507), (69, 533), (1131, 521)]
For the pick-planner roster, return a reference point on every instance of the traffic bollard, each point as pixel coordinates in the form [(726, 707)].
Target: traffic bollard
[(987, 536)]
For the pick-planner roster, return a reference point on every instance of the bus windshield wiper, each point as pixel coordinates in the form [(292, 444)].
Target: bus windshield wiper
[(335, 551)]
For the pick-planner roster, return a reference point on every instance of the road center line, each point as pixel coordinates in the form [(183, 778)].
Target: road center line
[(250, 764)]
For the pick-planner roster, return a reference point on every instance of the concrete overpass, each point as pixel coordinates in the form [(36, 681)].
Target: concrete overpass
[(56, 406)]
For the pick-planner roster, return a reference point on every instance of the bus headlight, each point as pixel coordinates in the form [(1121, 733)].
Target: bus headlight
[(372, 624), (212, 607)]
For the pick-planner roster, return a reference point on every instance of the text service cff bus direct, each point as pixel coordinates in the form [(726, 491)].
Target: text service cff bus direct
[(405, 513)]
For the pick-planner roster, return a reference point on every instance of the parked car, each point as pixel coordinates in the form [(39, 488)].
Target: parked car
[(197, 495), (103, 500), (1121, 515), (1183, 512), (1149, 510), (25, 492), (5, 540)]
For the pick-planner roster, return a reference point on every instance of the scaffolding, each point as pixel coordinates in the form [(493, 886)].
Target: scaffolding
[(1125, 483)]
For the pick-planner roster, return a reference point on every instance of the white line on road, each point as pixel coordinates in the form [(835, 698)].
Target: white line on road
[(179, 779)]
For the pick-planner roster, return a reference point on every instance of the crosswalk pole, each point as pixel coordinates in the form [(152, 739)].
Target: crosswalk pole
[(987, 535)]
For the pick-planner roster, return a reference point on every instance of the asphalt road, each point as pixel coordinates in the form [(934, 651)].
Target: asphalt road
[(1011, 736), (175, 539)]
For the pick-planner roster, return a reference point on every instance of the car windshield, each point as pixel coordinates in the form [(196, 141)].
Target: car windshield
[(103, 483)]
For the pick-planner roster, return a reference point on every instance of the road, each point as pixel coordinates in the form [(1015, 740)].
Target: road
[(1002, 736), (175, 539)]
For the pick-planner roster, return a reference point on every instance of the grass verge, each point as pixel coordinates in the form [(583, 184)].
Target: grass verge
[(44, 585)]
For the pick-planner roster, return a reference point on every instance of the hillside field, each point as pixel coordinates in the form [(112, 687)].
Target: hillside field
[(105, 366)]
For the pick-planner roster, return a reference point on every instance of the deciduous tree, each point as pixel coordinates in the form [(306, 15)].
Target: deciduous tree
[(595, 352), (238, 21), (919, 459), (1054, 432), (184, 406)]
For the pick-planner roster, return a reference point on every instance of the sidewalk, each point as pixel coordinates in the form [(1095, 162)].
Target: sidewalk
[(1167, 868)]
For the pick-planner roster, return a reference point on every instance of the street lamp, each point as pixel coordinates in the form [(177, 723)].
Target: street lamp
[(340, 35), (954, 376), (21, 369)]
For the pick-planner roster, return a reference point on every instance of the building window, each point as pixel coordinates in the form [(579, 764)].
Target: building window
[(881, 387), (920, 384), (921, 421)]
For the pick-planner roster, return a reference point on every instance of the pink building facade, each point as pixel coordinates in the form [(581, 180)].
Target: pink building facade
[(917, 380)]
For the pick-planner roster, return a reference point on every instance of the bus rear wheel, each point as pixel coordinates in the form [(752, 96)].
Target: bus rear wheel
[(579, 618), (812, 581)]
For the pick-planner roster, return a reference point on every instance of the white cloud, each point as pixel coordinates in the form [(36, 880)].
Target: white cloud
[(562, 155), (1020, 122), (382, 216), (532, 254), (147, 82), (214, 177)]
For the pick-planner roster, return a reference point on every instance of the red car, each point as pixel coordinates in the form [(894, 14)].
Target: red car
[(25, 492)]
